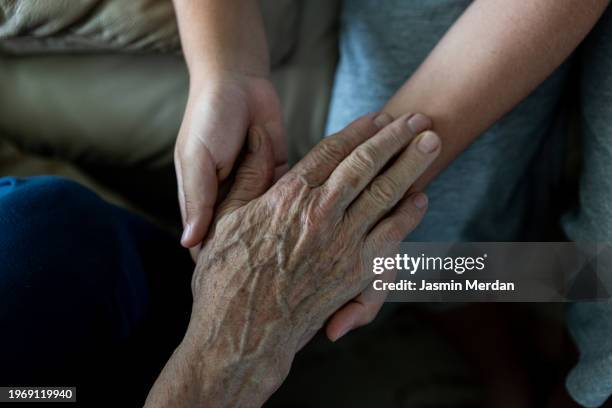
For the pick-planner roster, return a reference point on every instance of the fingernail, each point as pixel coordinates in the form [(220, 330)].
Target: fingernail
[(418, 123), (255, 141), (383, 120), (428, 142), (186, 233), (342, 333), (420, 201)]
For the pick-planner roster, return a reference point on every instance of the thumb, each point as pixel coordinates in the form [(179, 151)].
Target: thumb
[(197, 181), (358, 312), (256, 173)]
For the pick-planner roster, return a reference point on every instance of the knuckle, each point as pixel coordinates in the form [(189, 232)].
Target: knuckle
[(297, 181), (364, 157), (384, 190), (397, 132), (322, 215), (350, 132), (332, 149), (330, 196), (314, 218), (191, 205), (250, 173), (302, 178), (348, 180), (352, 222), (327, 205)]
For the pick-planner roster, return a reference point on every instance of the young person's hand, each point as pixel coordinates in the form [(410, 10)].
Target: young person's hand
[(220, 110), (226, 51)]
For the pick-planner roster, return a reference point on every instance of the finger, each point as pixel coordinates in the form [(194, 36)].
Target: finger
[(356, 313), (316, 167), (366, 161), (197, 177), (360, 311), (275, 131), (280, 171), (256, 173), (195, 252), (387, 189), (401, 222)]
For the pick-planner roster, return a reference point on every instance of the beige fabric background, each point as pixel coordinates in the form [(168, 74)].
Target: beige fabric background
[(99, 87), (29, 26)]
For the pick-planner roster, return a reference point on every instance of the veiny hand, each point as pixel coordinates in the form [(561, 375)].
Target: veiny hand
[(279, 261), (220, 110)]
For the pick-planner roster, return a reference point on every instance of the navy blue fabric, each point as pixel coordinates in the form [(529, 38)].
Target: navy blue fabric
[(90, 294)]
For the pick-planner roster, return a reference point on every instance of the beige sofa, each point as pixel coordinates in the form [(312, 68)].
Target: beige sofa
[(95, 90)]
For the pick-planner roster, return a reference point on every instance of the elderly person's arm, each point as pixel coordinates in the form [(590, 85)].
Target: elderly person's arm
[(490, 59), (279, 261)]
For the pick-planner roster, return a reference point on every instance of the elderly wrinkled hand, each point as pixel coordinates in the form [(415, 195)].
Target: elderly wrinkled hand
[(280, 260)]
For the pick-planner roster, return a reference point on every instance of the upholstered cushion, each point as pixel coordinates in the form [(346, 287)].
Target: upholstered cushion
[(35, 26), (116, 115)]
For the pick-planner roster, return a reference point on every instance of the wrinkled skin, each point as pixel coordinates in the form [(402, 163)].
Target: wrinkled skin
[(280, 260)]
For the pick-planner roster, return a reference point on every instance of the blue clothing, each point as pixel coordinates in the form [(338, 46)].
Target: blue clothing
[(83, 285), (590, 382), (500, 188)]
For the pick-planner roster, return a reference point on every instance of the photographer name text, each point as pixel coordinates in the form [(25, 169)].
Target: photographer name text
[(451, 286)]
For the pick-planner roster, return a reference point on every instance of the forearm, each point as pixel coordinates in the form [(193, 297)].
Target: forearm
[(207, 370), (230, 355), (492, 58), (223, 34)]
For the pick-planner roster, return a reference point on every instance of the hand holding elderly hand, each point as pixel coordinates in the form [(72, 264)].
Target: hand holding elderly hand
[(279, 261), (220, 110)]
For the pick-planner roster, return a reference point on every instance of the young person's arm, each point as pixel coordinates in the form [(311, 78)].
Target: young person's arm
[(220, 35), (490, 59), (227, 55)]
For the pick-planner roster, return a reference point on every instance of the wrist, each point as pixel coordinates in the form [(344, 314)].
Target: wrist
[(197, 376), (223, 35), (224, 371), (205, 73)]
